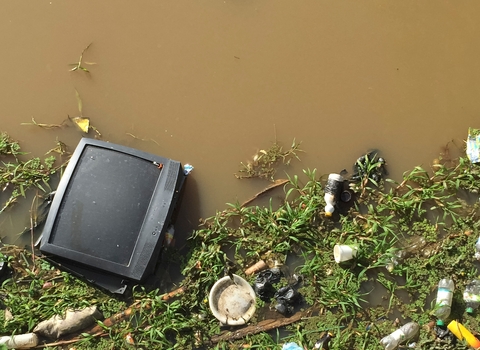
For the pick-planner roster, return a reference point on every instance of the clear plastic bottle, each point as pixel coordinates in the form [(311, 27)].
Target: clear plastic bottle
[(401, 335), (477, 249), (471, 296), (333, 189), (20, 341), (444, 300)]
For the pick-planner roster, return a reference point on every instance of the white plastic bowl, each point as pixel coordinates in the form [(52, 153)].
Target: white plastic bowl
[(232, 302)]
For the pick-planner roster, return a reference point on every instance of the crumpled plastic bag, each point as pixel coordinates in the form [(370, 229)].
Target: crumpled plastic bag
[(473, 145), (291, 346), (263, 285), (74, 320), (286, 297)]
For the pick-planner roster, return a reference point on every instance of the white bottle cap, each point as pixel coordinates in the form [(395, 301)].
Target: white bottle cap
[(329, 209)]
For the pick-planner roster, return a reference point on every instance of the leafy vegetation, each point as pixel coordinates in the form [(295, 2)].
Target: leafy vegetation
[(410, 235)]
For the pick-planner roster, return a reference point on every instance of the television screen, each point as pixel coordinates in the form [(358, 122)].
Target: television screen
[(111, 210)]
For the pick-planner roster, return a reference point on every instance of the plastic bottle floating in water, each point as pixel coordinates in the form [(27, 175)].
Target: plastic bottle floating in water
[(401, 335), (471, 296), (463, 334), (444, 300), (477, 249), (333, 189)]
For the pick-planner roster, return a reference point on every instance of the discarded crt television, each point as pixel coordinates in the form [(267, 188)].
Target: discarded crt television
[(111, 210)]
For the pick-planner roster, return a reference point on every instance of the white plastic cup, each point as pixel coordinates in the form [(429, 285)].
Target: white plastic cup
[(343, 252)]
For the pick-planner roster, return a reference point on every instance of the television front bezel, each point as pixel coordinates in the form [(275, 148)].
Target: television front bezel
[(152, 231)]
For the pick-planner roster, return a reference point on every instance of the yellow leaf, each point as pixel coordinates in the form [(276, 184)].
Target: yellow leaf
[(82, 122)]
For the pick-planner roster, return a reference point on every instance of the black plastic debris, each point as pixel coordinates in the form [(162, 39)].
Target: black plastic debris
[(286, 297), (263, 285), (369, 166), (443, 333)]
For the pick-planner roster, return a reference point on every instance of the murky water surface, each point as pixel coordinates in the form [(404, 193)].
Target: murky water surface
[(212, 82)]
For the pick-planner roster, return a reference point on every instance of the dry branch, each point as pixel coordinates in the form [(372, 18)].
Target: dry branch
[(262, 326), (275, 184)]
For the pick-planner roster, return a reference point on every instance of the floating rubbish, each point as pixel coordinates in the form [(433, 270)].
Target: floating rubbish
[(3, 267), (363, 167), (477, 249), (263, 285), (232, 300), (463, 334), (333, 190), (19, 341), (187, 169), (473, 145), (444, 300), (74, 320), (346, 196), (286, 297), (471, 296), (401, 335), (169, 235), (129, 339), (342, 252), (291, 346), (322, 343), (258, 266)]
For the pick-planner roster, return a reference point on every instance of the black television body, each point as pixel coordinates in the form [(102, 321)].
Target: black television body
[(110, 213)]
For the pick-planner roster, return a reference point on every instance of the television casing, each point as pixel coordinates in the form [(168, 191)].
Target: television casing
[(110, 213)]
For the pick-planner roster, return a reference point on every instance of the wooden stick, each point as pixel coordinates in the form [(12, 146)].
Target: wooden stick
[(128, 312), (262, 326), (70, 341), (275, 184)]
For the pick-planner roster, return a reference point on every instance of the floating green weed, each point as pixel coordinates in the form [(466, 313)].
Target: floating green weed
[(18, 176), (264, 163)]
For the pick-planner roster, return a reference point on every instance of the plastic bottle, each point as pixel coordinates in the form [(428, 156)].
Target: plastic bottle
[(444, 300), (462, 333), (401, 335), (333, 189), (471, 296), (322, 343), (477, 249), (20, 341)]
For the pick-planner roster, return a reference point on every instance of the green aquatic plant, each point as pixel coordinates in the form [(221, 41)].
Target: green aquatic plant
[(17, 176), (78, 65), (264, 163)]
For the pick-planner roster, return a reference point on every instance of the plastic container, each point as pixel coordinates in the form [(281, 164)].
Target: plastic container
[(444, 300), (401, 335), (471, 296), (20, 341), (463, 334), (477, 249), (343, 252), (333, 189), (232, 301)]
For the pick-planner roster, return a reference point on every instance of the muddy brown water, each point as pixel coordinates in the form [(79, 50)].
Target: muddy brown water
[(212, 82)]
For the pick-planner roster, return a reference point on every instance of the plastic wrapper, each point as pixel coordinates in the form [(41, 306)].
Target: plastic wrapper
[(287, 297), (473, 145), (74, 320), (263, 285)]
